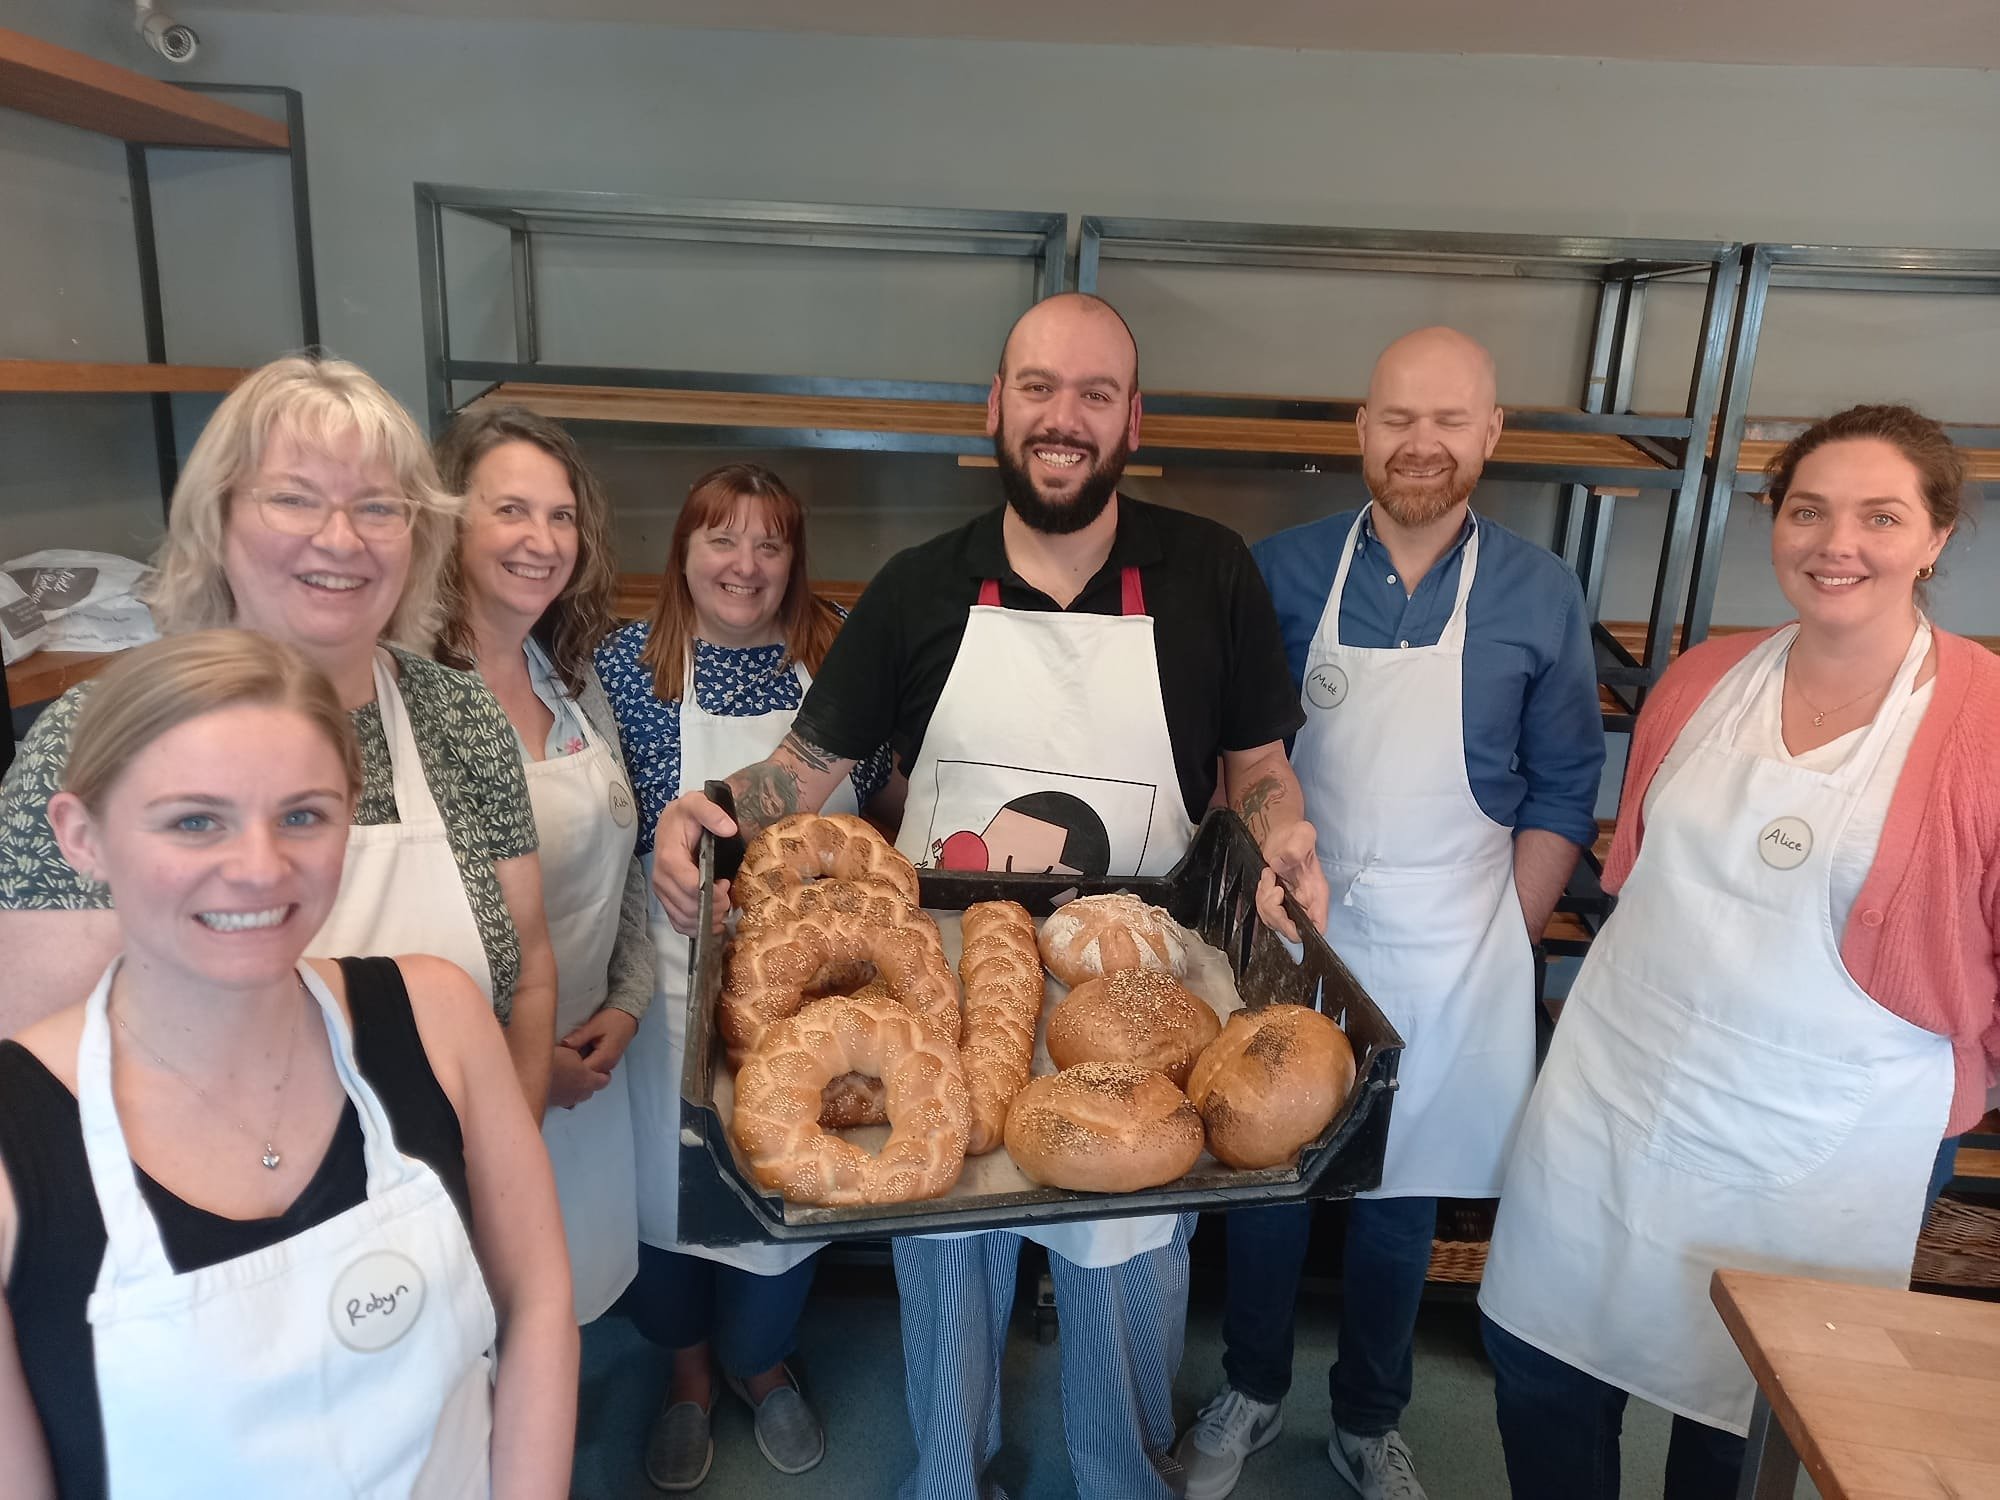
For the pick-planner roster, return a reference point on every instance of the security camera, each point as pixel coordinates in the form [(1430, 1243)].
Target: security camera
[(166, 36)]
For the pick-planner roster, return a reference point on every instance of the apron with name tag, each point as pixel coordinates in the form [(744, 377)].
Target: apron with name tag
[(355, 1358), (1050, 745), (713, 746), (401, 890), (1423, 907), (1720, 1092), (586, 825)]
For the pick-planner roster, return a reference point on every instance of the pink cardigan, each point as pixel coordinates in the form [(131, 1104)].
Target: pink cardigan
[(1921, 939)]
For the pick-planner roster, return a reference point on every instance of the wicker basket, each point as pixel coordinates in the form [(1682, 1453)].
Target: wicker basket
[(1458, 1252), (1960, 1245)]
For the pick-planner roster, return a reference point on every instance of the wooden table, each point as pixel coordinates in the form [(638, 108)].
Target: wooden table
[(1885, 1395)]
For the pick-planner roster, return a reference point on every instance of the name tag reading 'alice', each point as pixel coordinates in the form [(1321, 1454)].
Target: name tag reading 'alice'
[(1785, 843), (376, 1301)]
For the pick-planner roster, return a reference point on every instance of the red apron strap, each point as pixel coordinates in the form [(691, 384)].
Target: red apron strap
[(1132, 595)]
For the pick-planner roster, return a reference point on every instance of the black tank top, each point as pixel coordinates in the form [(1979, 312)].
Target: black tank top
[(61, 1242)]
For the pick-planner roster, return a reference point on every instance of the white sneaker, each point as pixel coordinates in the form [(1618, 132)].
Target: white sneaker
[(1226, 1431), (1377, 1468)]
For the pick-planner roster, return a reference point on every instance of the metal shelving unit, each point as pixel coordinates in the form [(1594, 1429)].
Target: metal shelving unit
[(706, 407), (149, 115), (1595, 451), (1744, 443)]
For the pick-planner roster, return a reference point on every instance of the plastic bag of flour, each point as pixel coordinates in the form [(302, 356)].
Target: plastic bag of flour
[(61, 600)]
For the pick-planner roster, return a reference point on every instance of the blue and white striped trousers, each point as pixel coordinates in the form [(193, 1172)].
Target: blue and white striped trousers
[(1122, 1328)]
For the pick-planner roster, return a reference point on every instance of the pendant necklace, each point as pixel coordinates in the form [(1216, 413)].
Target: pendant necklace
[(271, 1157)]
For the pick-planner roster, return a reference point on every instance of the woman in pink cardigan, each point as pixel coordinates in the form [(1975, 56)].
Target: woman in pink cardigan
[(1796, 997)]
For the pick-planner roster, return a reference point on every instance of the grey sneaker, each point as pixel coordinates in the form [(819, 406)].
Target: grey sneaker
[(1225, 1432), (679, 1448), (1378, 1468), (788, 1434)]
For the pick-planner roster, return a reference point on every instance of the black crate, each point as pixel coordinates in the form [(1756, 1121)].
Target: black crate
[(1212, 891)]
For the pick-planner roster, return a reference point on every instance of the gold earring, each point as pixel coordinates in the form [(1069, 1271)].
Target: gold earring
[(1927, 572)]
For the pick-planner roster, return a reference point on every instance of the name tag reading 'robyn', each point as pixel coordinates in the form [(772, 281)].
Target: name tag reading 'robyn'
[(376, 1301), (1785, 843)]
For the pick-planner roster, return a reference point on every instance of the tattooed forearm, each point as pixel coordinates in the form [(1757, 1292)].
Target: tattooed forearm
[(765, 793), (809, 755), (1258, 804), (796, 778)]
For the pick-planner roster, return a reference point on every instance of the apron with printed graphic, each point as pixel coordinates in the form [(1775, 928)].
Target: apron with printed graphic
[(713, 746), (586, 826), (1049, 744), (354, 1358), (1720, 1092), (401, 890), (1422, 903)]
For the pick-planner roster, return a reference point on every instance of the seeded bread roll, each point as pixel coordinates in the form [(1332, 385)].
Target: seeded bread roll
[(1271, 1082), (1095, 935), (1139, 1016), (1103, 1128)]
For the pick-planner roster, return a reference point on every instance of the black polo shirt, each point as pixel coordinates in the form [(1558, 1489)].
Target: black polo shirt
[(1223, 676)]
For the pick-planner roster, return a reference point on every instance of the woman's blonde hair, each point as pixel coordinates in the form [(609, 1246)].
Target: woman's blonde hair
[(319, 402), (581, 615), (146, 692)]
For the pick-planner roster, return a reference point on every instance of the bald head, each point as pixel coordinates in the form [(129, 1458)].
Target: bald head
[(1441, 359), (1431, 421), (1079, 322)]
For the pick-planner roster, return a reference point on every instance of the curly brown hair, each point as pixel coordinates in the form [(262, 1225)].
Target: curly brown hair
[(581, 615)]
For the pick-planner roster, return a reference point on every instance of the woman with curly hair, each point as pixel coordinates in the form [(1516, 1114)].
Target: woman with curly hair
[(531, 589)]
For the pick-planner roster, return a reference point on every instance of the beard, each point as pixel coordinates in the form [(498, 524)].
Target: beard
[(1415, 503), (1058, 518)]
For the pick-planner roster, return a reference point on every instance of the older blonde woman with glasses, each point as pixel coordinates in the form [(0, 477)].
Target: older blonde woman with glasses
[(310, 511)]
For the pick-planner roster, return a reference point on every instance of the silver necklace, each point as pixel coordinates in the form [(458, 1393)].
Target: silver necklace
[(271, 1157)]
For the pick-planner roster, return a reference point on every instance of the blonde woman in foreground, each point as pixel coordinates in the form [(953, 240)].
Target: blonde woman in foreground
[(268, 1225)]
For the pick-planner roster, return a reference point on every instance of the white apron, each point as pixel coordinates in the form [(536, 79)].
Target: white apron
[(713, 746), (1720, 1091), (401, 890), (1423, 907), (1040, 701), (586, 825), (354, 1359)]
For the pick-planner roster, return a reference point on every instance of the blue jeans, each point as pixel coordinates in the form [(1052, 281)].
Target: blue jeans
[(1560, 1428), (1388, 1255), (678, 1301)]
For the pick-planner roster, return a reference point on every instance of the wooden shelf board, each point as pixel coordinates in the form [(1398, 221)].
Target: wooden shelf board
[(1631, 634), (1166, 431), (1982, 465), (42, 675), (40, 78), (26, 376)]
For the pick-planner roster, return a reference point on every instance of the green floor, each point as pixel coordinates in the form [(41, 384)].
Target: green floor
[(852, 1358)]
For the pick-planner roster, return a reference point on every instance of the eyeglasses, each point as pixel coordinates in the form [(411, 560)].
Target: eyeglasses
[(379, 518)]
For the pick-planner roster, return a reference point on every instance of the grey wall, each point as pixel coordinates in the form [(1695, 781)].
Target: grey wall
[(1524, 144)]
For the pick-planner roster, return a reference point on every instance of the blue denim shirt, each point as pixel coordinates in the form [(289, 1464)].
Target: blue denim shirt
[(1534, 734)]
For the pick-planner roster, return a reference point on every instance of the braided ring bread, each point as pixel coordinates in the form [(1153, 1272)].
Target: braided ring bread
[(815, 846), (773, 968), (778, 1097)]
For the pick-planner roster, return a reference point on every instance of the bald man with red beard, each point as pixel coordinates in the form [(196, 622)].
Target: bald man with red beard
[(1450, 760)]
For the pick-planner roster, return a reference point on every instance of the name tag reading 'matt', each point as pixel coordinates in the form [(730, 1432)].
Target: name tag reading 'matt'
[(376, 1301), (1785, 843)]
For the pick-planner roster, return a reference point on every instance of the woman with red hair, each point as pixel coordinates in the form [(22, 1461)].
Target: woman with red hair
[(709, 682)]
